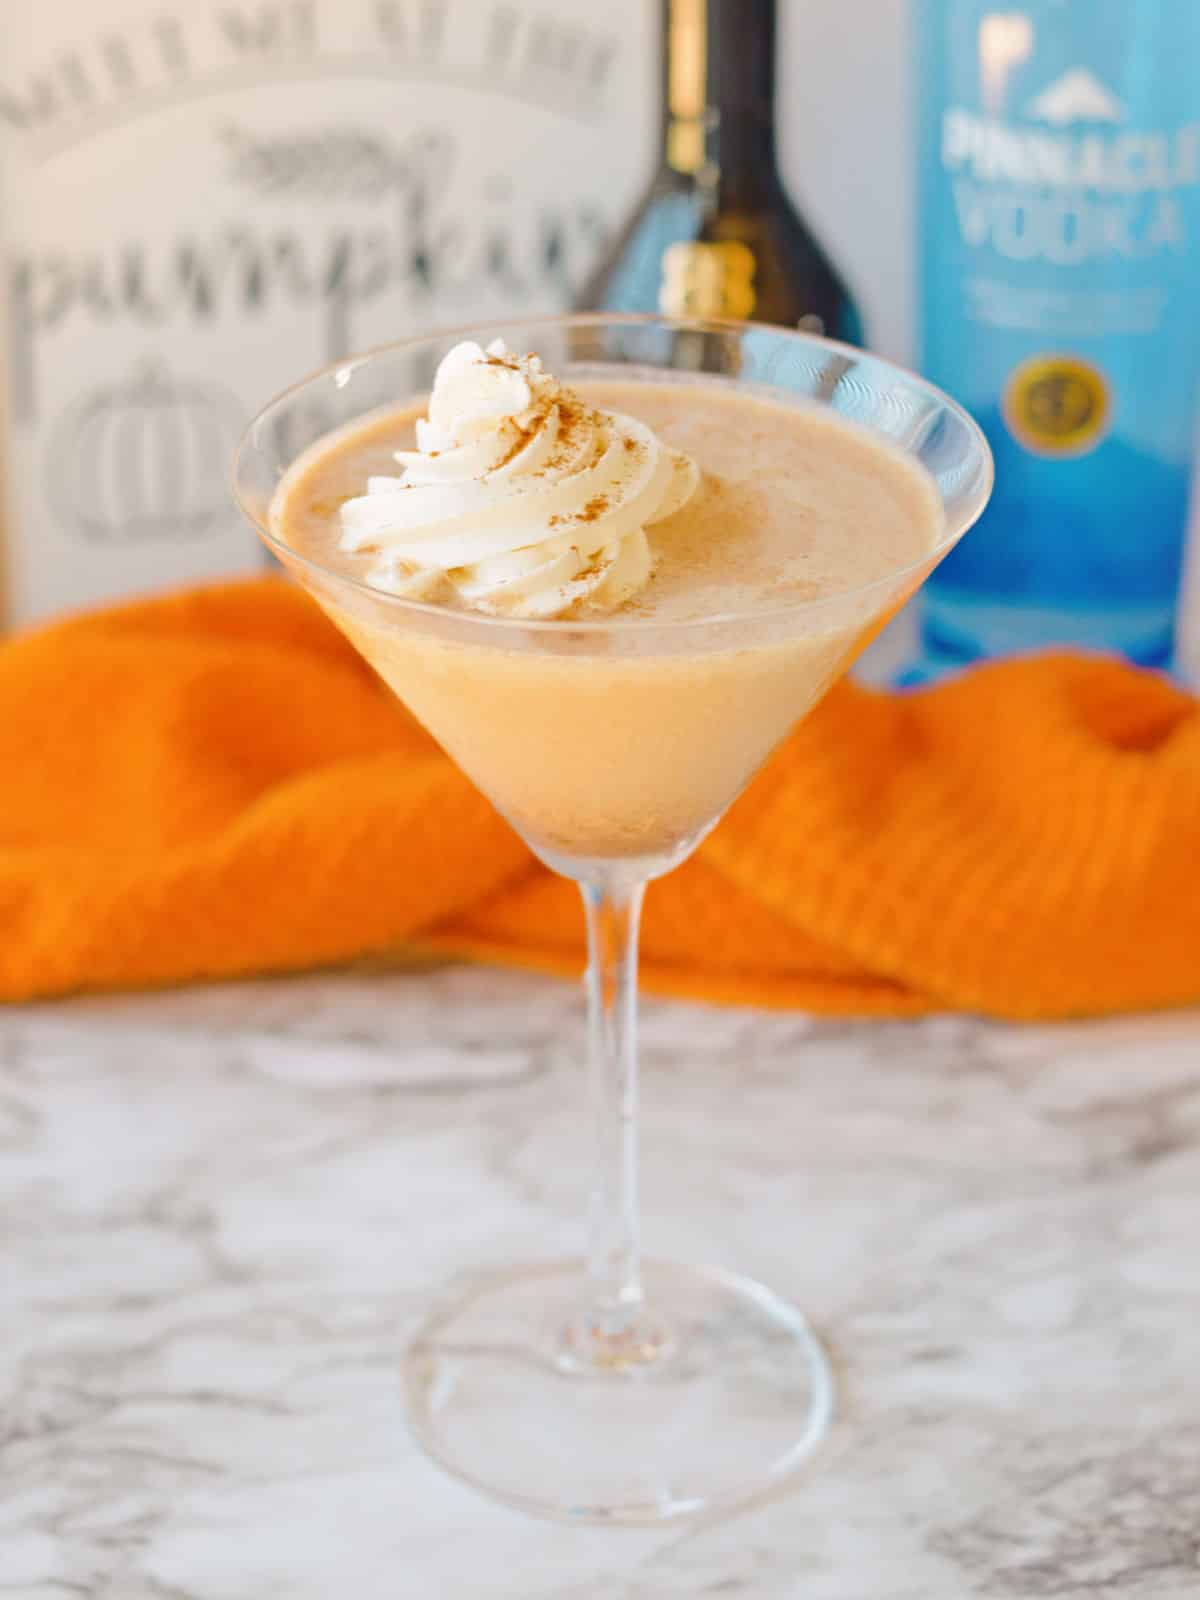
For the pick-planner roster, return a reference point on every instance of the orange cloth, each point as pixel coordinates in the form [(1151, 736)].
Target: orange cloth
[(214, 784)]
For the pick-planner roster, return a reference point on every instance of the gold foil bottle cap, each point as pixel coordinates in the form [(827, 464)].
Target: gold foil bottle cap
[(687, 73)]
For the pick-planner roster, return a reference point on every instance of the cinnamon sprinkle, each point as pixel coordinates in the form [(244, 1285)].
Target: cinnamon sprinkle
[(522, 439)]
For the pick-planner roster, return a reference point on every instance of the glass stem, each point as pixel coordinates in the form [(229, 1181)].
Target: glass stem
[(613, 913)]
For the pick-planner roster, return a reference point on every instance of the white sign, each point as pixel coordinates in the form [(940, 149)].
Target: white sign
[(201, 200)]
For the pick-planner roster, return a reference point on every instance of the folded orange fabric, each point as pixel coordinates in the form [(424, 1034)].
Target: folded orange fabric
[(214, 784)]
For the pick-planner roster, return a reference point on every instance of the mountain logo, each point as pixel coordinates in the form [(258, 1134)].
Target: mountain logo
[(1076, 97)]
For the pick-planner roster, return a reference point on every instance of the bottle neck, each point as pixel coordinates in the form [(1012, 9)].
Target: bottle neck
[(719, 93)]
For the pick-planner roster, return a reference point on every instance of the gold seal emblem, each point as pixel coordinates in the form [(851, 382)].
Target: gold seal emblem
[(1057, 405), (707, 280)]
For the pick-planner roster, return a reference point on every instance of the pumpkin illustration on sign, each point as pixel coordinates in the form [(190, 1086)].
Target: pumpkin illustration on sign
[(145, 459)]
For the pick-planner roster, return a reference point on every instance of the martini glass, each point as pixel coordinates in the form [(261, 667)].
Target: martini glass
[(617, 1389)]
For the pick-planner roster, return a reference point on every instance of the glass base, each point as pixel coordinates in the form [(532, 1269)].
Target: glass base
[(722, 1393)]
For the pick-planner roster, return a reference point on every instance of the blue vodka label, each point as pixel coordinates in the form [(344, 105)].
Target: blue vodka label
[(1059, 224)]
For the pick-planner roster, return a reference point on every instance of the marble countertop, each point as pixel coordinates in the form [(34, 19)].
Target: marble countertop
[(221, 1209)]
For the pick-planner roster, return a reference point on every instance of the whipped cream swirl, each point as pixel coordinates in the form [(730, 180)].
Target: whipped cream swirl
[(520, 500)]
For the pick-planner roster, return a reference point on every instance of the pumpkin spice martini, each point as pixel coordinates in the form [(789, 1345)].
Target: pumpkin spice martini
[(635, 499), (609, 577)]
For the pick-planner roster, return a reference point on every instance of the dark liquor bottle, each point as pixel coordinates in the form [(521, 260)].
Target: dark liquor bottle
[(717, 235)]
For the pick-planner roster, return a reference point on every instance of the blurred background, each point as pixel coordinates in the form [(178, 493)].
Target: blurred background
[(203, 201)]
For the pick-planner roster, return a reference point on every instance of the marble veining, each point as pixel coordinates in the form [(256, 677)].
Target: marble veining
[(221, 1210)]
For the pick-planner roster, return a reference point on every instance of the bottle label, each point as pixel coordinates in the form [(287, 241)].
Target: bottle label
[(204, 199), (1062, 212), (708, 280), (1060, 222), (1057, 405), (1050, 191), (1068, 167)]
